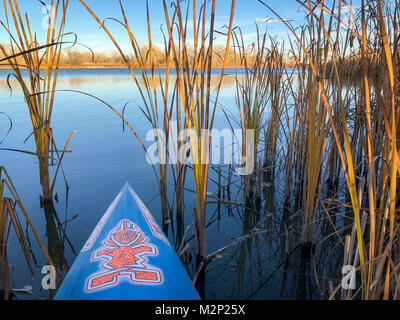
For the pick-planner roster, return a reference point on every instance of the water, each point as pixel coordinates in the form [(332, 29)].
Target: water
[(104, 157)]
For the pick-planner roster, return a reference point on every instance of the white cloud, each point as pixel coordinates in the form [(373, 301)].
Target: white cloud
[(267, 20)]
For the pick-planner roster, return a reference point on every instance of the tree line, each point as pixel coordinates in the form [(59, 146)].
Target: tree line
[(87, 58)]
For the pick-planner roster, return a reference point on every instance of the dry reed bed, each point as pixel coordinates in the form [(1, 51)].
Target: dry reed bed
[(328, 141)]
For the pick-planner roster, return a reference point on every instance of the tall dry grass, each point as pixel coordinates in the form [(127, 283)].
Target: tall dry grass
[(25, 53), (330, 135), (10, 205), (193, 106), (346, 127)]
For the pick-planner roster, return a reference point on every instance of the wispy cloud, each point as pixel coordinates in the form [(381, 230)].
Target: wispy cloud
[(266, 20), (258, 20), (269, 20)]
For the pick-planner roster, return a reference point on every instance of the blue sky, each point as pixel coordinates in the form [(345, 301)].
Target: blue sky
[(247, 13)]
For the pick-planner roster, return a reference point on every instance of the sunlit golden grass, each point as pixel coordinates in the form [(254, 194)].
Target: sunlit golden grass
[(367, 145), (334, 131), (191, 96), (194, 90), (25, 53), (258, 91), (331, 133), (157, 109)]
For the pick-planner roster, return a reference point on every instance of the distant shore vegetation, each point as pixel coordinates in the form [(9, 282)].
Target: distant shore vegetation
[(78, 58)]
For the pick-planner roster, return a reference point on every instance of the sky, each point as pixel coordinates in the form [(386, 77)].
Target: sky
[(79, 21)]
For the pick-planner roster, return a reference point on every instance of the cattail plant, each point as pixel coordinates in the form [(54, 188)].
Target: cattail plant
[(361, 132), (24, 54), (260, 99), (192, 94), (41, 64), (194, 90), (10, 205), (252, 96), (158, 109)]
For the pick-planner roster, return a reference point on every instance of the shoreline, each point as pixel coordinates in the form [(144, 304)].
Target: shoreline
[(110, 67), (119, 66)]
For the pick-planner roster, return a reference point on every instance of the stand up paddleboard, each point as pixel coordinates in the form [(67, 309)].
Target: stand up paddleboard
[(127, 257)]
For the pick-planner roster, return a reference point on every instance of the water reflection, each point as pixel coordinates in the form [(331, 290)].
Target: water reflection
[(57, 239), (264, 261), (55, 243), (78, 79)]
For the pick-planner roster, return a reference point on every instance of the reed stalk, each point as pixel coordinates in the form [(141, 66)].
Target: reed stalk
[(193, 94), (257, 91), (10, 204), (41, 63), (194, 90), (157, 108), (362, 125)]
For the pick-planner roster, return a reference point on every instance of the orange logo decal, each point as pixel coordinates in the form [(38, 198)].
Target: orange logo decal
[(124, 253)]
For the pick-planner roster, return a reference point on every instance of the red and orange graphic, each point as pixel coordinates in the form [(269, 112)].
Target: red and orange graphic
[(124, 252)]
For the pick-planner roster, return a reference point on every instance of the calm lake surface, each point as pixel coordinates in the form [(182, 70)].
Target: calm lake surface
[(103, 158)]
